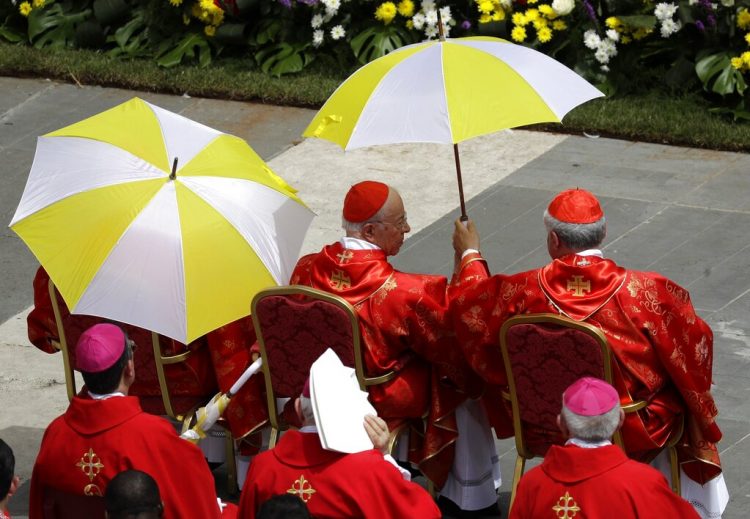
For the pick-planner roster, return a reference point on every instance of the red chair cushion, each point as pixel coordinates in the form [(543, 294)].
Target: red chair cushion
[(295, 333), (545, 360)]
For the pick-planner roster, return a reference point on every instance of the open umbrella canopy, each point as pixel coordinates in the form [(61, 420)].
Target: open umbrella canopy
[(448, 91), (143, 216)]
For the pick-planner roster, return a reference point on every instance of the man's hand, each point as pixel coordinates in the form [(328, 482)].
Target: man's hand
[(465, 236), (377, 430)]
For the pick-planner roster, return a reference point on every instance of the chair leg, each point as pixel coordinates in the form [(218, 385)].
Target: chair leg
[(232, 488), (517, 473), (674, 466)]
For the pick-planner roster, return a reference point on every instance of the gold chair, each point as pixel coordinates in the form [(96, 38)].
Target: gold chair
[(294, 325), (543, 355)]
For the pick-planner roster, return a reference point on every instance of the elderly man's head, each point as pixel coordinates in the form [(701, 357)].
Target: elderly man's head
[(590, 410), (575, 222), (303, 406), (104, 356), (374, 212)]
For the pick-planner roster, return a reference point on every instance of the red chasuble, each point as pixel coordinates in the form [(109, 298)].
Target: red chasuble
[(405, 327), (596, 483), (664, 351), (332, 484), (94, 440)]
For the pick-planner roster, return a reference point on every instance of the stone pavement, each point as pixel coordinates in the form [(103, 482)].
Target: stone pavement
[(679, 211)]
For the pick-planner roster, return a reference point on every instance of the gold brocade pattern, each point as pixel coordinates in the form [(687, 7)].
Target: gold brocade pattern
[(91, 465), (302, 488), (566, 507)]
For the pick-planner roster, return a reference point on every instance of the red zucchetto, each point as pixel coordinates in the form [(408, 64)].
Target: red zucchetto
[(364, 200), (99, 348), (575, 206), (590, 396)]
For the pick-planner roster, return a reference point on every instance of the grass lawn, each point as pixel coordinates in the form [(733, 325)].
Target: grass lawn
[(653, 118)]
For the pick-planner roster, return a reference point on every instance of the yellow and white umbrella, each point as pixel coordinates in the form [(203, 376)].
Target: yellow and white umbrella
[(145, 217), (448, 91)]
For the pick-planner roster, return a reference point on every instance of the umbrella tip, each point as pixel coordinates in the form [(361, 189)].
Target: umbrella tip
[(173, 174)]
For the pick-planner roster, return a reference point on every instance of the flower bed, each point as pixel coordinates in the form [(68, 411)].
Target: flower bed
[(620, 45)]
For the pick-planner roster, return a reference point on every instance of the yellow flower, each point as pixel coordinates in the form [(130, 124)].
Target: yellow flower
[(642, 33), (485, 18), (406, 8), (498, 16), (175, 3), (747, 38), (518, 34), (743, 19), (745, 57), (531, 2), (485, 6), (559, 25), (613, 22), (386, 12), (519, 19), (38, 4), (24, 8), (737, 63), (625, 40), (547, 11), (531, 14), (540, 23), (544, 34), (210, 30), (409, 24)]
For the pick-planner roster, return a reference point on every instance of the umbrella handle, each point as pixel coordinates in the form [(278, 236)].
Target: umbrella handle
[(464, 217)]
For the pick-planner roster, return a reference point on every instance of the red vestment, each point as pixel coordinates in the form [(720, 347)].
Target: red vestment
[(94, 440), (663, 350), (221, 356), (594, 483), (405, 327), (332, 484)]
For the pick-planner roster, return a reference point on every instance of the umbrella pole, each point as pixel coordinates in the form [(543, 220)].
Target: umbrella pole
[(464, 217)]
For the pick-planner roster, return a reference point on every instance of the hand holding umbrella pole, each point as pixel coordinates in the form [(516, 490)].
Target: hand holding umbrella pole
[(206, 417)]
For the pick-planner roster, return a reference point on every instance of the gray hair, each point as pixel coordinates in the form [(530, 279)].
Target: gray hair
[(591, 428), (577, 236), (308, 417), (356, 227)]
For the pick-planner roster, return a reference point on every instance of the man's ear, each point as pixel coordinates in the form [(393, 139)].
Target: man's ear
[(554, 239), (298, 409), (563, 426), (367, 231)]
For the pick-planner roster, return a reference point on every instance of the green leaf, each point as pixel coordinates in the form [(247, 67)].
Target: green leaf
[(726, 83), (283, 58), (124, 33), (709, 66), (639, 21), (184, 49), (377, 41), (11, 35)]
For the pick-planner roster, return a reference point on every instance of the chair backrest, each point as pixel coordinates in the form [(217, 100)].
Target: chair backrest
[(543, 355), (294, 326), (57, 504)]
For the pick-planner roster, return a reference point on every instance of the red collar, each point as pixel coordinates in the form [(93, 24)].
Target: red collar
[(578, 286), (88, 416)]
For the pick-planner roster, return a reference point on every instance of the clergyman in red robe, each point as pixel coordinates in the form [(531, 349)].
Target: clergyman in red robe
[(589, 477), (104, 432), (405, 327), (662, 350), (333, 484)]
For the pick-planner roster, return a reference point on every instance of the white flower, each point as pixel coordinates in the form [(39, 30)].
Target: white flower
[(613, 35), (669, 27), (609, 47), (727, 3), (428, 5), (431, 17), (692, 2), (431, 31), (316, 21), (332, 6), (563, 7), (602, 56), (445, 14), (317, 38), (338, 32), (507, 4), (418, 21), (665, 11), (591, 39)]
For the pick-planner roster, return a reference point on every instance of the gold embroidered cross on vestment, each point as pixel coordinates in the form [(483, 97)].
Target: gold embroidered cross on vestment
[(302, 488), (566, 507), (340, 280), (578, 286), (90, 464), (345, 256)]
